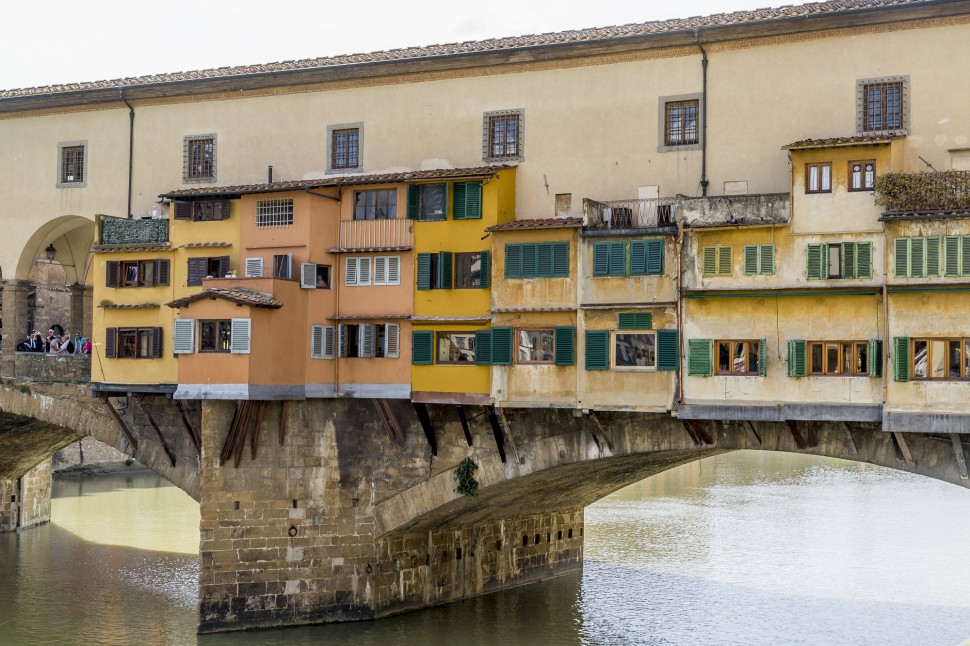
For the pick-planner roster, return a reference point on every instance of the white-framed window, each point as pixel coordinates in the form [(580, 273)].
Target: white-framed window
[(314, 276), (634, 350), (357, 271), (322, 342), (369, 340), (277, 212), (387, 270)]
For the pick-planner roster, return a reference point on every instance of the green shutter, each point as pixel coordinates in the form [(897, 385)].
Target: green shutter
[(458, 209), (501, 346), (725, 263), (848, 260), (875, 358), (617, 259), (901, 358), (965, 256), (917, 257), (638, 257), (601, 258), (529, 261), (483, 347), (766, 261), (699, 362), (414, 201), (424, 271), (762, 357), (565, 346), (901, 257), (668, 350), (445, 269), (473, 201), (597, 349), (814, 256), (796, 358), (709, 261), (422, 348), (932, 255), (951, 255), (751, 253), (863, 260), (560, 259), (544, 260), (513, 261), (485, 269), (635, 321), (655, 257)]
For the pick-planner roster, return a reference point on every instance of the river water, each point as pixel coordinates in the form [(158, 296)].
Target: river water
[(746, 548)]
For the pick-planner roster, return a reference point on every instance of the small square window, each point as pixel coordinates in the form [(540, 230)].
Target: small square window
[(345, 143), (432, 202), (503, 136), (634, 350), (680, 123), (323, 277), (882, 105), (456, 348), (536, 346), (72, 164), (818, 178), (862, 175), (215, 336), (199, 158), (282, 264)]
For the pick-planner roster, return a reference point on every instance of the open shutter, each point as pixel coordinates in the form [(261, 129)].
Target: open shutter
[(560, 259), (617, 259), (422, 348), (156, 342), (655, 257), (751, 255), (341, 340), (875, 358), (597, 349), (223, 266), (424, 271), (565, 346), (220, 210), (901, 358), (308, 275), (766, 259), (414, 201), (965, 256), (196, 271), (111, 342), (363, 270), (544, 260), (112, 270), (473, 200), (502, 346), (709, 261), (380, 270), (762, 357), (638, 257), (329, 341), (483, 347), (183, 210), (815, 269), (393, 270), (254, 268), (485, 270), (316, 342), (445, 269), (901, 257), (699, 361), (933, 256), (668, 350), (162, 272), (239, 342), (951, 256), (849, 260), (366, 341), (513, 261), (635, 321), (601, 258), (796, 358), (392, 341), (183, 341), (458, 209), (350, 271), (725, 263), (863, 260)]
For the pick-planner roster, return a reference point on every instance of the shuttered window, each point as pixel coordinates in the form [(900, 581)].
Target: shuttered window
[(646, 257), (759, 259), (630, 258), (956, 256), (839, 260), (392, 341), (240, 336), (635, 321), (483, 347), (717, 261), (387, 270), (422, 348), (668, 350), (901, 358), (699, 360), (597, 349), (738, 357), (202, 210), (467, 201), (308, 275), (502, 341), (254, 268), (322, 342), (427, 202), (565, 346), (357, 271), (537, 260), (111, 342), (184, 336), (917, 257), (609, 258), (138, 273), (875, 358), (797, 364)]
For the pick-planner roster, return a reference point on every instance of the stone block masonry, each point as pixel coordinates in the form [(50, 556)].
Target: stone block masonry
[(26, 501)]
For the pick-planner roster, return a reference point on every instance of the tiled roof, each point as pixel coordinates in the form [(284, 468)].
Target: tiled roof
[(239, 295), (339, 180), (833, 142), (123, 248), (512, 310), (574, 36), (202, 245), (140, 306), (368, 317), (538, 223), (365, 249)]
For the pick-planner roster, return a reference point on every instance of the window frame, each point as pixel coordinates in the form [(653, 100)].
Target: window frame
[(664, 143), (551, 331), (274, 212), (439, 335), (374, 209), (358, 261), (964, 347), (825, 370), (219, 339), (863, 187), (809, 167), (864, 116), (457, 265), (723, 258), (138, 333), (141, 271), (283, 266), (205, 170), (489, 144), (678, 135), (752, 350), (624, 332), (335, 165), (424, 216), (63, 149)]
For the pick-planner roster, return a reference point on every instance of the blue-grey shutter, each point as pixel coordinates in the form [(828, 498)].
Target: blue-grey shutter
[(513, 261), (483, 347), (424, 271), (565, 346), (655, 257), (422, 348), (601, 258), (485, 270), (597, 349), (445, 269), (414, 201), (617, 259), (638, 257), (501, 346), (668, 350), (560, 259)]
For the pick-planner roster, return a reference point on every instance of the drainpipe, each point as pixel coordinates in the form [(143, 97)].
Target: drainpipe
[(131, 143), (704, 182), (680, 315)]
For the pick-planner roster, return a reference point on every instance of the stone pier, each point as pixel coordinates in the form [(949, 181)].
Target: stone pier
[(26, 501)]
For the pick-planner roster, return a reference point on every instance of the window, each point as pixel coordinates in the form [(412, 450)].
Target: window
[(818, 178), (839, 260), (322, 340), (881, 105), (467, 201), (282, 264), (357, 271), (625, 349), (428, 202), (199, 159), (503, 136), (956, 256), (633, 258), (759, 259), (375, 205), (368, 341), (469, 270), (215, 336), (436, 270), (344, 148), (935, 359), (202, 210), (274, 213), (71, 165), (535, 346), (313, 276), (537, 260), (137, 273), (133, 343), (717, 261), (835, 358), (917, 257), (862, 175), (202, 268), (739, 357), (680, 123), (387, 270), (456, 348), (634, 350)]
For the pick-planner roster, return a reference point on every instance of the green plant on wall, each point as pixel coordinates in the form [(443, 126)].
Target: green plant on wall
[(465, 477)]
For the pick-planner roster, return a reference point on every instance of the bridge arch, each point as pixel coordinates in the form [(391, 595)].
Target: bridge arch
[(72, 237)]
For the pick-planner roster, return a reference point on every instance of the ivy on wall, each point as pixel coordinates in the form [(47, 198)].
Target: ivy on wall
[(929, 191), (465, 477)]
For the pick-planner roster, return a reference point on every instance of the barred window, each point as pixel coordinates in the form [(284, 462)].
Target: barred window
[(503, 135), (274, 213), (72, 164), (199, 159), (680, 123), (345, 148), (881, 105)]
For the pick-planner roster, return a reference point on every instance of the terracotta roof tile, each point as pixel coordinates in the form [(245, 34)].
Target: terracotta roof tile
[(240, 295), (203, 245), (834, 142), (123, 248), (737, 18), (139, 306), (538, 223), (368, 317)]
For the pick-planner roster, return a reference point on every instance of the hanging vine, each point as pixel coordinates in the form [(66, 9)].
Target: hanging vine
[(465, 477)]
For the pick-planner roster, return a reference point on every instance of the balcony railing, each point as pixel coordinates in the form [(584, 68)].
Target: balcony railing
[(376, 234), (924, 193), (121, 231), (735, 210), (630, 214)]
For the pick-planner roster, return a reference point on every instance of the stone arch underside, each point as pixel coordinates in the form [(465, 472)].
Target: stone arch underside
[(39, 419), (72, 237), (564, 468)]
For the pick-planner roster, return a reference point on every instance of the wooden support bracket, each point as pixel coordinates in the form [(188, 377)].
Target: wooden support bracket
[(811, 441), (161, 438), (508, 434), (425, 418), (187, 425), (849, 442), (464, 424), (751, 432), (284, 412), (690, 432), (121, 424), (389, 421), (960, 455), (604, 436), (902, 449), (496, 431), (697, 432), (254, 438), (796, 434)]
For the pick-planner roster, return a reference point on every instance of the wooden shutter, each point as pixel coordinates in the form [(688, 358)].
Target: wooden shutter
[(316, 342), (156, 342), (366, 340), (863, 260), (485, 270), (220, 210), (668, 350), (329, 341), (196, 271), (965, 256), (601, 258), (392, 341), (111, 342), (762, 357), (363, 270), (513, 261), (473, 200), (422, 348), (875, 358), (239, 341), (617, 259), (414, 201), (751, 254), (816, 269), (901, 257), (565, 346), (162, 272), (308, 275), (544, 260), (655, 257), (342, 340), (424, 271), (917, 257), (901, 358), (183, 341), (933, 256), (254, 268), (951, 255), (709, 261), (530, 261), (796, 358), (183, 210), (597, 349), (638, 257), (560, 259), (502, 346), (635, 321), (458, 209), (393, 270), (483, 347), (699, 361), (223, 266), (848, 260), (446, 261), (112, 270), (725, 263), (380, 270), (766, 260)]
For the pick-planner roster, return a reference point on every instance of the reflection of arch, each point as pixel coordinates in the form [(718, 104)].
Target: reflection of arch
[(72, 236)]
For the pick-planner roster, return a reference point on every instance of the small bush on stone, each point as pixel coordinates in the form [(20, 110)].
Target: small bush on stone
[(465, 477), (25, 389)]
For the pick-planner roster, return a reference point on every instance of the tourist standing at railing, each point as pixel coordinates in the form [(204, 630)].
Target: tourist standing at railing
[(86, 348), (78, 343), (50, 340)]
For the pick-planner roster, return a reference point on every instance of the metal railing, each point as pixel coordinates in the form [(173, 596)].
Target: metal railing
[(943, 191), (630, 214), (376, 234)]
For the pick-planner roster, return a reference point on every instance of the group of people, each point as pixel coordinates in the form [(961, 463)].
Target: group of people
[(57, 341)]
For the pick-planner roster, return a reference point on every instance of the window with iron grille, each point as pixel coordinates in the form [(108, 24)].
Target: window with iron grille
[(274, 213), (345, 143), (680, 123), (503, 136), (72, 164), (199, 158), (882, 105)]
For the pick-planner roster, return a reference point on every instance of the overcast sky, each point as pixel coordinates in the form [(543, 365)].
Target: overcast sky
[(61, 41)]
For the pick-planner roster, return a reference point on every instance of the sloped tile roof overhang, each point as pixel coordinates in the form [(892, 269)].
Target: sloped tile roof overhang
[(238, 295)]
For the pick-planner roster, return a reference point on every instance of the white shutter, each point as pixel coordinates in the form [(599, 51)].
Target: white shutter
[(365, 340), (393, 270), (363, 271), (328, 334), (308, 275), (392, 341), (184, 341), (316, 342), (341, 340), (380, 270), (239, 336), (254, 267), (350, 271)]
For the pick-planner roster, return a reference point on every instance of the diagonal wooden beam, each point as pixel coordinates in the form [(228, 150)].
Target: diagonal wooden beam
[(187, 425), (751, 432), (508, 434), (151, 422), (961, 456), (602, 431), (496, 431), (902, 449), (425, 418), (121, 424), (464, 424), (849, 442), (796, 434)]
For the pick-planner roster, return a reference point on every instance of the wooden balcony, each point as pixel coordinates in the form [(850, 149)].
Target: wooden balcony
[(376, 235), (924, 195)]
